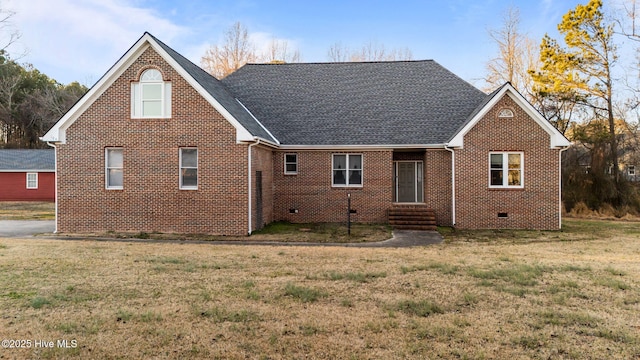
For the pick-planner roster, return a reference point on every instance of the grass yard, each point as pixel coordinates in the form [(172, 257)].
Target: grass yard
[(27, 210), (573, 294), (276, 231)]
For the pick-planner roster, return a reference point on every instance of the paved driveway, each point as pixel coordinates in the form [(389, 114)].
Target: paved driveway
[(401, 238), (22, 228)]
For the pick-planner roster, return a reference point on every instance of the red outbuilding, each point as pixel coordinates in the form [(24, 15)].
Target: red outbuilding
[(27, 175)]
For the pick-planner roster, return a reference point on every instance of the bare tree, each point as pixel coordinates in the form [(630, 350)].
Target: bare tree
[(628, 22), (338, 53), (236, 51), (371, 51), (8, 32), (278, 52), (517, 54)]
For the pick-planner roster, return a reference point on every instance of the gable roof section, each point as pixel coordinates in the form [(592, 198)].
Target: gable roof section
[(557, 139), (373, 103), (247, 127), (27, 160)]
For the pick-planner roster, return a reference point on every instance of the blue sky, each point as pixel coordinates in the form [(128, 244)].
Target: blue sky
[(78, 40)]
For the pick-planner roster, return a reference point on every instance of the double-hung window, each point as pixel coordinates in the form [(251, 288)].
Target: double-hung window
[(290, 164), (346, 170), (189, 168), (506, 170), (151, 96), (114, 162), (32, 180)]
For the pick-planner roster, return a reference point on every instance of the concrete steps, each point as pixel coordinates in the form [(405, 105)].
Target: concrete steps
[(412, 217)]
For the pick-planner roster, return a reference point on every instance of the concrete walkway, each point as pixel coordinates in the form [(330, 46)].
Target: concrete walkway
[(45, 228), (25, 228), (406, 238), (403, 238)]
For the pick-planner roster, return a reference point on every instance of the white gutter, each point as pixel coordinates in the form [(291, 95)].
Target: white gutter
[(257, 141), (361, 147), (453, 185), (55, 192)]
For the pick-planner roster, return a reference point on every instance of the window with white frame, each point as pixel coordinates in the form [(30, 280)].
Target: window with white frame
[(347, 170), (32, 180), (632, 170), (506, 169), (114, 166), (151, 96), (188, 168), (505, 113), (290, 164)]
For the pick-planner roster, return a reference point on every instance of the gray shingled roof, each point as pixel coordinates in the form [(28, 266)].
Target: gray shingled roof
[(27, 160), (371, 103), (214, 87)]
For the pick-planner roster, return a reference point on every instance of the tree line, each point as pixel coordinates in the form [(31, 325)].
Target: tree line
[(30, 103)]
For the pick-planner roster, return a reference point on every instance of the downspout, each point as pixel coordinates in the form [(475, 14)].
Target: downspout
[(55, 191), (250, 218), (453, 184), (560, 186)]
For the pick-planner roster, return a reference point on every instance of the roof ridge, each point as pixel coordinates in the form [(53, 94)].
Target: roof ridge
[(343, 62)]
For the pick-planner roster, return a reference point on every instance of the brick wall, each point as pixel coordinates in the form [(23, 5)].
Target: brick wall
[(311, 194), (151, 199), (437, 184), (536, 206)]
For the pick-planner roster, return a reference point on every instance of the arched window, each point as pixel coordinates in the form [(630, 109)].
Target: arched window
[(505, 113), (151, 96)]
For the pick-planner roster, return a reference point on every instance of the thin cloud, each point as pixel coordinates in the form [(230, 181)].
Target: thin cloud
[(52, 30)]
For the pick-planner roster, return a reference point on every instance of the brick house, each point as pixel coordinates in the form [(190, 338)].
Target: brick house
[(27, 175), (158, 144)]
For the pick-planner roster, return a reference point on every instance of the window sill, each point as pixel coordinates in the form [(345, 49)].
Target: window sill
[(150, 118), (511, 188)]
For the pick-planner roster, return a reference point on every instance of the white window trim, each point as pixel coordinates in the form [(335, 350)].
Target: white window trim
[(505, 170), (505, 113), (137, 101), (347, 185), (288, 163), (107, 167), (180, 167), (631, 170), (35, 174)]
